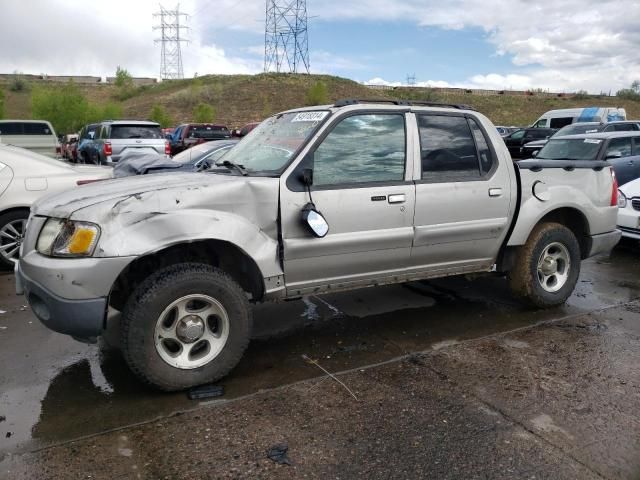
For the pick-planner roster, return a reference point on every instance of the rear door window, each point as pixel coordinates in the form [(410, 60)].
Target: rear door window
[(119, 132), (447, 149), (11, 128), (36, 129), (560, 122)]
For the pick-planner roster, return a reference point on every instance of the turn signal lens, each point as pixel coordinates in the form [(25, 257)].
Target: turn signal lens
[(614, 190), (622, 200)]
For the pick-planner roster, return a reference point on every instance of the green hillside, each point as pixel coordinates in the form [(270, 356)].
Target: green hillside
[(238, 99)]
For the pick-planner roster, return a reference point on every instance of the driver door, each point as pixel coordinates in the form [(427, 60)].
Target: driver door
[(362, 186)]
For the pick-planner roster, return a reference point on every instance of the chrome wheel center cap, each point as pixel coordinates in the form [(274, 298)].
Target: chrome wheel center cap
[(190, 328), (549, 266)]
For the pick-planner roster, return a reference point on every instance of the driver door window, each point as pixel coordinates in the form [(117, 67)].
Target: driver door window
[(362, 149), (622, 145)]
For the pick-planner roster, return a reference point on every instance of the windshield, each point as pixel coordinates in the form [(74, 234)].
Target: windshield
[(578, 129), (269, 147), (570, 149)]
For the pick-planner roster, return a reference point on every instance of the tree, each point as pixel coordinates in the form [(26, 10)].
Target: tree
[(317, 94), (632, 93), (160, 115), (123, 78), (203, 113), (66, 108)]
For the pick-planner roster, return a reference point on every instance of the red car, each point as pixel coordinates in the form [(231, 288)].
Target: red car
[(190, 134), (241, 132)]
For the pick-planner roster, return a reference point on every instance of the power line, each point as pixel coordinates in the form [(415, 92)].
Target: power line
[(286, 43), (170, 42)]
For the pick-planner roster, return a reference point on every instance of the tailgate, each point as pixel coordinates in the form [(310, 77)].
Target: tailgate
[(138, 145)]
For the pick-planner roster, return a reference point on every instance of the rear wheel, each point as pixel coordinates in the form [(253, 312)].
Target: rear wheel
[(547, 266), (185, 325), (12, 229)]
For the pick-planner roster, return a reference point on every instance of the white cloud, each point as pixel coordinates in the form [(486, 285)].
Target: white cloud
[(73, 37), (568, 45)]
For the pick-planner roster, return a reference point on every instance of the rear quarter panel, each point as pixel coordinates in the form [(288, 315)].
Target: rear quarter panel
[(585, 190)]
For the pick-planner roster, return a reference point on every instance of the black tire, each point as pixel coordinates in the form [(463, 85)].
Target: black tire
[(16, 216), (523, 278), (145, 306)]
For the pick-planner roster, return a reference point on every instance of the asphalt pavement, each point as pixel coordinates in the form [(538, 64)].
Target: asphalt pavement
[(439, 379)]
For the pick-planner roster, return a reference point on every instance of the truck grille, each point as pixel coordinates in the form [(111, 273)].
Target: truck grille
[(636, 203)]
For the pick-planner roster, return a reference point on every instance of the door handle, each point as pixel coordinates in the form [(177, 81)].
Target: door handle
[(397, 198), (495, 192)]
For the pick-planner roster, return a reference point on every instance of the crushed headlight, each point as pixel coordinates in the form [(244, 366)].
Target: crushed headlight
[(68, 238), (622, 200)]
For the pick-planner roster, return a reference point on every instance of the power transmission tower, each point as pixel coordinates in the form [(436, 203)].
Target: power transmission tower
[(286, 44), (170, 40), (411, 80)]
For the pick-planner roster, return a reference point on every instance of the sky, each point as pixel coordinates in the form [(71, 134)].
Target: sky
[(559, 45)]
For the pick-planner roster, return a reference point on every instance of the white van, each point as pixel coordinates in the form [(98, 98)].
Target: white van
[(567, 116), (35, 135)]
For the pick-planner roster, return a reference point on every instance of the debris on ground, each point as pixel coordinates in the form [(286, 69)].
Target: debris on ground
[(206, 391), (315, 362), (278, 453), (8, 435), (2, 418), (3, 328)]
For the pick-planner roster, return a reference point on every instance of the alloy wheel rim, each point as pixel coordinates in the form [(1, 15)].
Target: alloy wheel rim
[(553, 267), (11, 238), (191, 331)]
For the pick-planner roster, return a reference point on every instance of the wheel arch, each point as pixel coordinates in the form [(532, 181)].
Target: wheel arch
[(219, 253), (572, 218)]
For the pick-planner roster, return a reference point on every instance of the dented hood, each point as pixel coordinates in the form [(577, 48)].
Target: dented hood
[(114, 204)]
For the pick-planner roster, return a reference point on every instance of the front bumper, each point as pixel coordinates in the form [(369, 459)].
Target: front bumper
[(604, 242), (69, 295), (78, 318)]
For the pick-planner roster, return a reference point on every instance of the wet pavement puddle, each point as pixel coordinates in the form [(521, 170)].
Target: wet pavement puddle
[(53, 389)]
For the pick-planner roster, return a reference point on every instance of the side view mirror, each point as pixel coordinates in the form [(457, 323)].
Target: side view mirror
[(614, 154), (314, 220), (307, 177), (535, 153)]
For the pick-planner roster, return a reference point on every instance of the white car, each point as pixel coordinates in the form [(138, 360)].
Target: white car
[(629, 209), (35, 135), (25, 177)]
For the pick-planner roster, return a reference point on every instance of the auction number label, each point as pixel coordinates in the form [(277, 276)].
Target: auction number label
[(309, 116)]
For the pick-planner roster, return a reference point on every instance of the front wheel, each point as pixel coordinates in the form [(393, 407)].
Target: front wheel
[(12, 228), (547, 266), (185, 325)]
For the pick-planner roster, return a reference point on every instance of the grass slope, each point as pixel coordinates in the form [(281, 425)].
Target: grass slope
[(238, 99)]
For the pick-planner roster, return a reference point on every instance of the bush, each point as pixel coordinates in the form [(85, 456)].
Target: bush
[(203, 113), (581, 95), (67, 109), (628, 94), (160, 115), (317, 94), (18, 83), (124, 84)]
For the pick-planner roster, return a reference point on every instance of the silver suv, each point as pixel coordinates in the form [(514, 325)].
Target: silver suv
[(314, 200), (114, 139)]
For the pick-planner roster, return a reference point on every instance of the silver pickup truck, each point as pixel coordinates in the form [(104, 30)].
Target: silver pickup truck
[(314, 200)]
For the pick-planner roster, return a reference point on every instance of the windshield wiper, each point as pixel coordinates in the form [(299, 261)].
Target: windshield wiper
[(230, 164)]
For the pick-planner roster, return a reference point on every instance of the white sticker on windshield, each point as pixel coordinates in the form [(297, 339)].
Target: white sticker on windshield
[(592, 140), (309, 116), (591, 131)]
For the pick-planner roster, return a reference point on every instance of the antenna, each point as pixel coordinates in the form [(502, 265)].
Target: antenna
[(170, 40), (286, 45)]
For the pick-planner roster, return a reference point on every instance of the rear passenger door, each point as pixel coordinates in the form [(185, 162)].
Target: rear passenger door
[(463, 196)]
